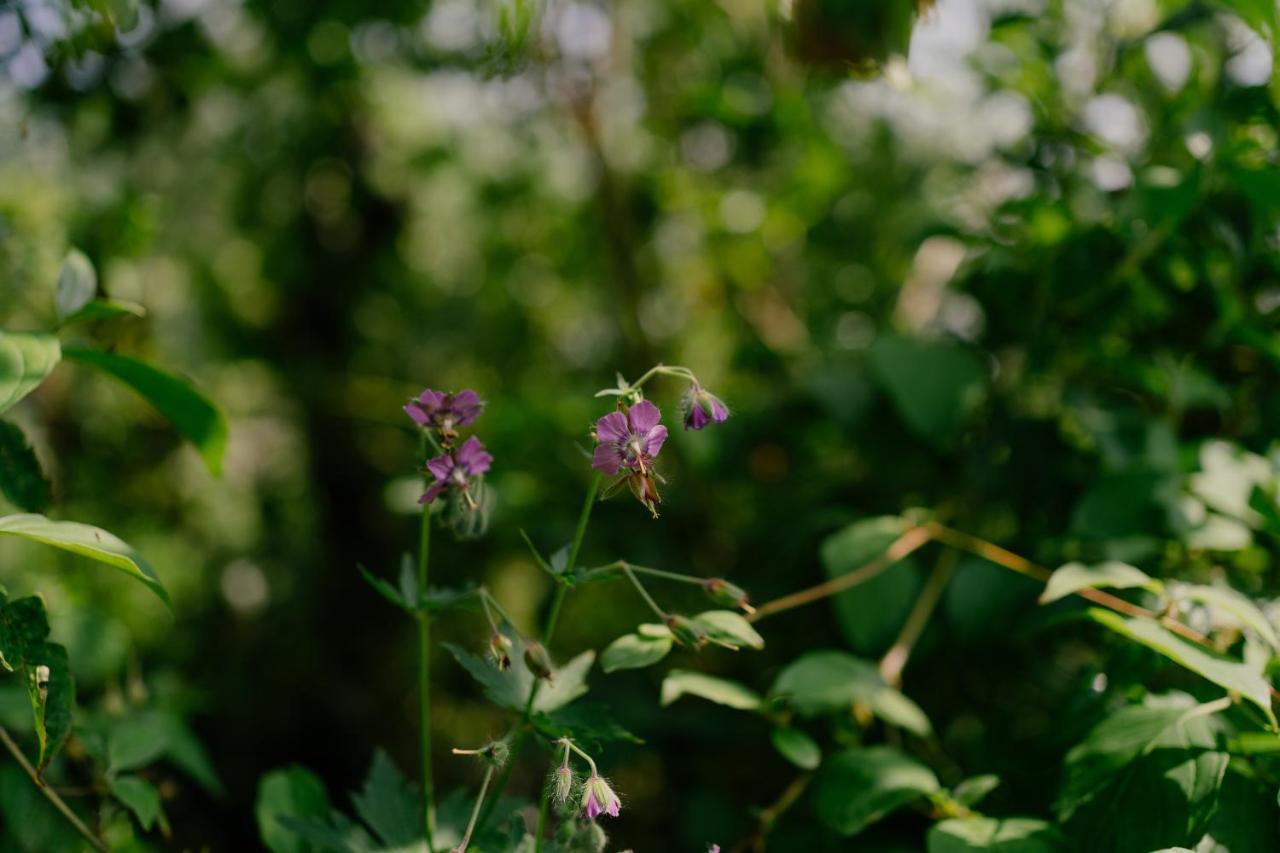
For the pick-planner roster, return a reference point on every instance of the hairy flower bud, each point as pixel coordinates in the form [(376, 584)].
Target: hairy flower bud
[(686, 631), (598, 798), (726, 594), (562, 784), (497, 752), (500, 650), (538, 660)]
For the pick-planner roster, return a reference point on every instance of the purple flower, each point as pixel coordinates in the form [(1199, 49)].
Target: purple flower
[(445, 412), (457, 470), (629, 439), (701, 407), (598, 798)]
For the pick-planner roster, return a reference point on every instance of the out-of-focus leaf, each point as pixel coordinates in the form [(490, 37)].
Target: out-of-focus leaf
[(1004, 835), (510, 688), (42, 668), (1074, 577), (1224, 672), (633, 651), (1225, 600), (974, 790), (1245, 821), (291, 792), (136, 742), (857, 787), (825, 681), (29, 821), (797, 747), (871, 613), (26, 358), (21, 480), (386, 590), (104, 309), (935, 387), (388, 804), (680, 682), (192, 414), (727, 628), (139, 796), (77, 283), (586, 722), (87, 541)]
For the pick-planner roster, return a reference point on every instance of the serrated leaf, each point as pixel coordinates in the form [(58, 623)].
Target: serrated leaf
[(857, 787), (510, 688), (386, 590), (827, 681), (87, 541), (797, 747), (1224, 672), (139, 796), (726, 628), (26, 358), (634, 651), (1000, 835), (1074, 577), (388, 804), (77, 283), (21, 480), (191, 413), (680, 682), (586, 722)]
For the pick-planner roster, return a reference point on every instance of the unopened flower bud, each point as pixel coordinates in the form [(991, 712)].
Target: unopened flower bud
[(645, 488), (561, 784), (598, 798), (726, 594), (538, 660), (500, 650), (686, 631), (497, 752)]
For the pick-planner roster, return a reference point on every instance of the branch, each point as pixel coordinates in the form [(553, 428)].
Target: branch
[(50, 794), (895, 660)]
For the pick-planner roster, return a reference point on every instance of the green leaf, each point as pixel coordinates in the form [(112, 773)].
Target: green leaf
[(822, 682), (135, 742), (77, 283), (974, 790), (510, 688), (42, 668), (292, 792), (386, 590), (21, 480), (1245, 821), (857, 787), (388, 804), (1159, 761), (104, 309), (797, 747), (1005, 835), (1073, 577), (191, 413), (1225, 600), (87, 541), (872, 613), (1224, 672), (934, 386), (680, 682), (26, 358), (726, 628), (139, 796), (586, 722), (634, 651)]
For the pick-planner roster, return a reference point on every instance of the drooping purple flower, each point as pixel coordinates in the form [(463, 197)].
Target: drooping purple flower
[(701, 407), (598, 798), (629, 439), (457, 470), (445, 412)]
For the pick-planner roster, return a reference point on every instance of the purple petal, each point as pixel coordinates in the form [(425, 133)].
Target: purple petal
[(466, 406), (612, 427), (614, 805), (719, 411), (644, 416), (433, 492), (473, 458), (607, 459), (414, 410), (696, 418), (431, 400), (654, 441), (591, 807), (441, 467)]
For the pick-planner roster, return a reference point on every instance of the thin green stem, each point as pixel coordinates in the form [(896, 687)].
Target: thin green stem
[(475, 811), (50, 794), (424, 674), (620, 566), (644, 593)]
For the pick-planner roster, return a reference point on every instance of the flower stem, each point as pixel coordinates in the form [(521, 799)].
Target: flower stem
[(644, 593), (50, 794), (475, 811), (424, 675), (620, 566)]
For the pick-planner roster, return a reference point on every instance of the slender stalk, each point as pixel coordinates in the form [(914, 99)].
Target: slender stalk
[(895, 660), (622, 565), (769, 816), (50, 794), (475, 811), (644, 593), (424, 675)]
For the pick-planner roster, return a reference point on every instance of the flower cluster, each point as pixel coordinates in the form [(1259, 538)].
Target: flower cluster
[(458, 470), (596, 795)]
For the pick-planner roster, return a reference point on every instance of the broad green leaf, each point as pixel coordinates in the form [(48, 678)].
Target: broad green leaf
[(139, 796), (77, 283), (292, 792), (105, 309), (871, 614), (586, 722), (26, 358), (1224, 672), (510, 688), (42, 669), (934, 386), (974, 790), (135, 742), (1073, 577), (1225, 600), (191, 413), (87, 541), (826, 681), (797, 747), (680, 682), (1245, 821), (857, 786), (727, 628), (21, 480), (388, 804), (1004, 835), (633, 651)]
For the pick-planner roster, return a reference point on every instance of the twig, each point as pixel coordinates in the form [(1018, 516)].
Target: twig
[(769, 816), (895, 660), (50, 794)]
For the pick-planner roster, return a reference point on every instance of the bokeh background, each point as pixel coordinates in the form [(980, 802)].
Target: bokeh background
[(1019, 276)]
